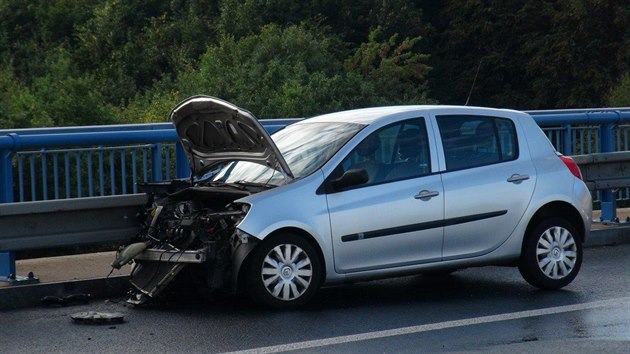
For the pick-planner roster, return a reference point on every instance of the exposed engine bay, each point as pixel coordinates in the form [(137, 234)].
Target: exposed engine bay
[(185, 225), (192, 225)]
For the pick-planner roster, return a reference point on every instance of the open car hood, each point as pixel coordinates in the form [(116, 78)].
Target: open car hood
[(213, 131)]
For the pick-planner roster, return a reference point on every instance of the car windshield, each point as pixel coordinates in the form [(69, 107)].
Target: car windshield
[(305, 147)]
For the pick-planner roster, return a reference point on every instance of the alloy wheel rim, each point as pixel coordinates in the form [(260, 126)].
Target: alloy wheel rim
[(287, 272), (556, 252)]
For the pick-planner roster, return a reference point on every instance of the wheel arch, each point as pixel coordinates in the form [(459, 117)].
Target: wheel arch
[(559, 209), (244, 261)]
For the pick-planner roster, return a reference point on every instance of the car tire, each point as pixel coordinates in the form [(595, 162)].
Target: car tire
[(284, 271), (552, 254)]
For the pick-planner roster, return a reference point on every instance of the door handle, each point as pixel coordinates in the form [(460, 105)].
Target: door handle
[(426, 195), (516, 178)]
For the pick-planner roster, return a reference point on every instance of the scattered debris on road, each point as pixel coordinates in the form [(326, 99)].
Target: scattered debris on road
[(94, 317)]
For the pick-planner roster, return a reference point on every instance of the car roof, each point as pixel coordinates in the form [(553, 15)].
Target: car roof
[(369, 115)]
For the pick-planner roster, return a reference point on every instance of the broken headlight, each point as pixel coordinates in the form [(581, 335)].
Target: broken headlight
[(244, 208)]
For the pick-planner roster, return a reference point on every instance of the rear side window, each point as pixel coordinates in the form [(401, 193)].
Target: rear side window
[(471, 141)]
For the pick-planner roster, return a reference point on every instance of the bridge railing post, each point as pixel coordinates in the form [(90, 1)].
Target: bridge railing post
[(156, 162), (7, 259), (567, 143), (607, 198), (182, 167)]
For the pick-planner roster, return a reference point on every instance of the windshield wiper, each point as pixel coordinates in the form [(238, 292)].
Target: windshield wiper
[(223, 184), (240, 185), (254, 184)]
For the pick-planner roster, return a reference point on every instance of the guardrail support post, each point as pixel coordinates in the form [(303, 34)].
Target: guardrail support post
[(6, 176), (7, 259), (608, 201), (156, 162), (567, 142), (182, 168), (7, 266)]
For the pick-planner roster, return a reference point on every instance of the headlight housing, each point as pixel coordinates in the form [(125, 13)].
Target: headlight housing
[(244, 208)]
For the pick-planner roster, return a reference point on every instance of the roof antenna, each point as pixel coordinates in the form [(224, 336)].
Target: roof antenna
[(473, 84)]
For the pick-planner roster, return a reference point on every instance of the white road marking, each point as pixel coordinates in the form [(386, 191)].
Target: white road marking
[(435, 326)]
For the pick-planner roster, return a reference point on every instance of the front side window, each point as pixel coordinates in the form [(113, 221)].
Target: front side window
[(395, 152), (471, 141)]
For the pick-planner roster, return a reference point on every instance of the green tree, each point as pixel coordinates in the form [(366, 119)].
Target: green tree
[(129, 45), (396, 69), (295, 72), (352, 21), (65, 97), (29, 31), (531, 54), (619, 95), (585, 49), (19, 108), (484, 35)]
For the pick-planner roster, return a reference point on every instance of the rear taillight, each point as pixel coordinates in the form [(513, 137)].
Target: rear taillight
[(572, 166)]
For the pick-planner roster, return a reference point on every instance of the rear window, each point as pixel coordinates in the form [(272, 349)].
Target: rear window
[(471, 141)]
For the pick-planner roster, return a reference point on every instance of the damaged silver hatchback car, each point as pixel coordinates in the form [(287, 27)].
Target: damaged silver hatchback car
[(359, 195)]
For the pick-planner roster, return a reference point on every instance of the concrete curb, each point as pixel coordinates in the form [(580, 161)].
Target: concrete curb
[(609, 235), (19, 296)]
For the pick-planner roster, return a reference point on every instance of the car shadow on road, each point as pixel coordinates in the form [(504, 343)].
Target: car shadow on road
[(462, 288)]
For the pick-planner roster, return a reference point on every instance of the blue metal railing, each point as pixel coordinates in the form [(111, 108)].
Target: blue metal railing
[(88, 161), (150, 152), (103, 168), (87, 172), (607, 123), (54, 163)]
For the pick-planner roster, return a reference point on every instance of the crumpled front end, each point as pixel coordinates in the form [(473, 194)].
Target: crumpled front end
[(193, 226)]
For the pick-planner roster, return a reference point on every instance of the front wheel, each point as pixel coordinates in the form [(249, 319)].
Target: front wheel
[(551, 255), (285, 271)]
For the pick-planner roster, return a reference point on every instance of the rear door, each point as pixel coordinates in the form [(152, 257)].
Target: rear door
[(488, 182)]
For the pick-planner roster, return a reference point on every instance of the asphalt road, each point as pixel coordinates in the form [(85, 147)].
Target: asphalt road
[(477, 310)]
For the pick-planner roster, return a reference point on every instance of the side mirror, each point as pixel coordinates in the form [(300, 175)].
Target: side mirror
[(350, 178)]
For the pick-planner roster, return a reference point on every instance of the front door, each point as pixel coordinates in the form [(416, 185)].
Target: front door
[(394, 219)]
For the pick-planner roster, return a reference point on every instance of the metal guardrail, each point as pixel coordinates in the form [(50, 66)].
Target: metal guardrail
[(68, 222), (608, 121), (91, 161), (570, 131), (110, 170), (64, 222), (605, 170)]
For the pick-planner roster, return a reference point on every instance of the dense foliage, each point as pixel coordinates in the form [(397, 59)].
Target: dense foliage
[(78, 62)]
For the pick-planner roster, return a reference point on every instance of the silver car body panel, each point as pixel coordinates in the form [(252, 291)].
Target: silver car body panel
[(480, 193), (292, 206), (402, 227), (327, 217)]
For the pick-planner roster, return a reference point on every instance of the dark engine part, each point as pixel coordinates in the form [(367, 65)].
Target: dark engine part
[(219, 197), (162, 188), (183, 229)]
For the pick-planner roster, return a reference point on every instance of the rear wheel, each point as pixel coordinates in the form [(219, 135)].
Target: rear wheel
[(285, 271), (552, 254)]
